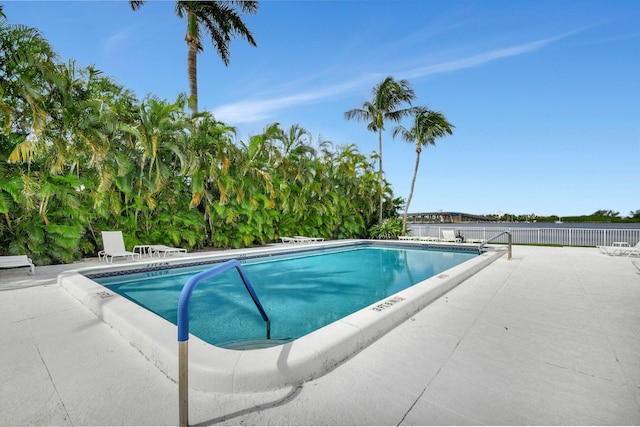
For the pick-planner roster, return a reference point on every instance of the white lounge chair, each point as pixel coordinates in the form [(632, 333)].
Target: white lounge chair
[(632, 251), (408, 237), (114, 247), (15, 261), (304, 239), (428, 239), (418, 238), (614, 248), (450, 236), (164, 250), (473, 240), (301, 239), (621, 249)]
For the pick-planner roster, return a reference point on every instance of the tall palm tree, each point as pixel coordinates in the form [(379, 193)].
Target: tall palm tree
[(221, 20), (388, 97), (427, 126)]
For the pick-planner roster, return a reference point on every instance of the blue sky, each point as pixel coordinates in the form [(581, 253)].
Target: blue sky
[(544, 95)]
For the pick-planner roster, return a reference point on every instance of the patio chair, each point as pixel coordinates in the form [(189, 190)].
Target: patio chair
[(15, 261), (631, 251), (164, 250), (304, 239), (407, 237), (114, 247), (429, 239), (450, 236), (473, 240), (301, 239), (621, 249), (614, 248)]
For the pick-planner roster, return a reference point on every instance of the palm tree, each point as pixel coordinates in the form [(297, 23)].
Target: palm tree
[(221, 20), (388, 96), (27, 63), (158, 132), (427, 126), (295, 142)]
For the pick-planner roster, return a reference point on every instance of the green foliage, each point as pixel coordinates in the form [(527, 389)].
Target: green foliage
[(80, 155), (390, 229), (598, 216), (606, 213)]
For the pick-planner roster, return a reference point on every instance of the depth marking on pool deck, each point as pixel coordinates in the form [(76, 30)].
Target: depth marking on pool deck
[(388, 303), (157, 264)]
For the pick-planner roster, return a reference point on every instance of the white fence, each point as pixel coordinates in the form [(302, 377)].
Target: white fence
[(536, 236)]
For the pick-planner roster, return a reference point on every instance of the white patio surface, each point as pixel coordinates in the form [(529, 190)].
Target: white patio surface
[(551, 337)]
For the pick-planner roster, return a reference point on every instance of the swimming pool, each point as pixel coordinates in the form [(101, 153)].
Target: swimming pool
[(212, 368), (301, 292)]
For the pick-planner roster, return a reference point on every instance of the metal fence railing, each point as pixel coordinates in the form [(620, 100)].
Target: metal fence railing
[(536, 236)]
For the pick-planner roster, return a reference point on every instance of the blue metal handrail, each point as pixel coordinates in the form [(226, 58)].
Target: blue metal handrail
[(183, 327), (187, 290)]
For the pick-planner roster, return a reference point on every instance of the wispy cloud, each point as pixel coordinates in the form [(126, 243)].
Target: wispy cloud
[(116, 41), (260, 109), (254, 110), (482, 58)]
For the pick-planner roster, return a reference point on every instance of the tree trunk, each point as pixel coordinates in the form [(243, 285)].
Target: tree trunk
[(193, 45), (192, 71), (413, 183), (380, 178)]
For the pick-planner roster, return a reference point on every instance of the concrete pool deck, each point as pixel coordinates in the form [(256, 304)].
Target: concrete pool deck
[(551, 337)]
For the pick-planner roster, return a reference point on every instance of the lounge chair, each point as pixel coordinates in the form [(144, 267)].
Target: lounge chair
[(164, 250), (621, 249), (408, 237), (632, 251), (429, 239), (473, 240), (114, 247), (304, 239), (614, 248), (450, 236), (15, 261), (301, 239)]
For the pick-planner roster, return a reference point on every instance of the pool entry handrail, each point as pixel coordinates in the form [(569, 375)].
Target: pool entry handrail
[(190, 285), (509, 240), (183, 327)]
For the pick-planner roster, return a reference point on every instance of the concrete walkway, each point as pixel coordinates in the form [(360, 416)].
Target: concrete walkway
[(551, 337)]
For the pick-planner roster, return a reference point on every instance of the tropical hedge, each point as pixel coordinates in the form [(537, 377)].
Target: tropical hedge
[(80, 154)]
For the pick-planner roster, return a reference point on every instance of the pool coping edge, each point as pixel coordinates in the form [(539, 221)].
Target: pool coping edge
[(214, 369)]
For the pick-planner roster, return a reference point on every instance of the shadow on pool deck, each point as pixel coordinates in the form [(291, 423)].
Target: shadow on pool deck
[(550, 337)]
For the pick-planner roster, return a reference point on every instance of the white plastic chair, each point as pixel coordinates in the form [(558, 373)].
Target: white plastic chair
[(449, 236), (114, 246)]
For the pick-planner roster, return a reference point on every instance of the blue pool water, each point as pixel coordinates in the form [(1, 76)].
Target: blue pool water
[(299, 292)]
